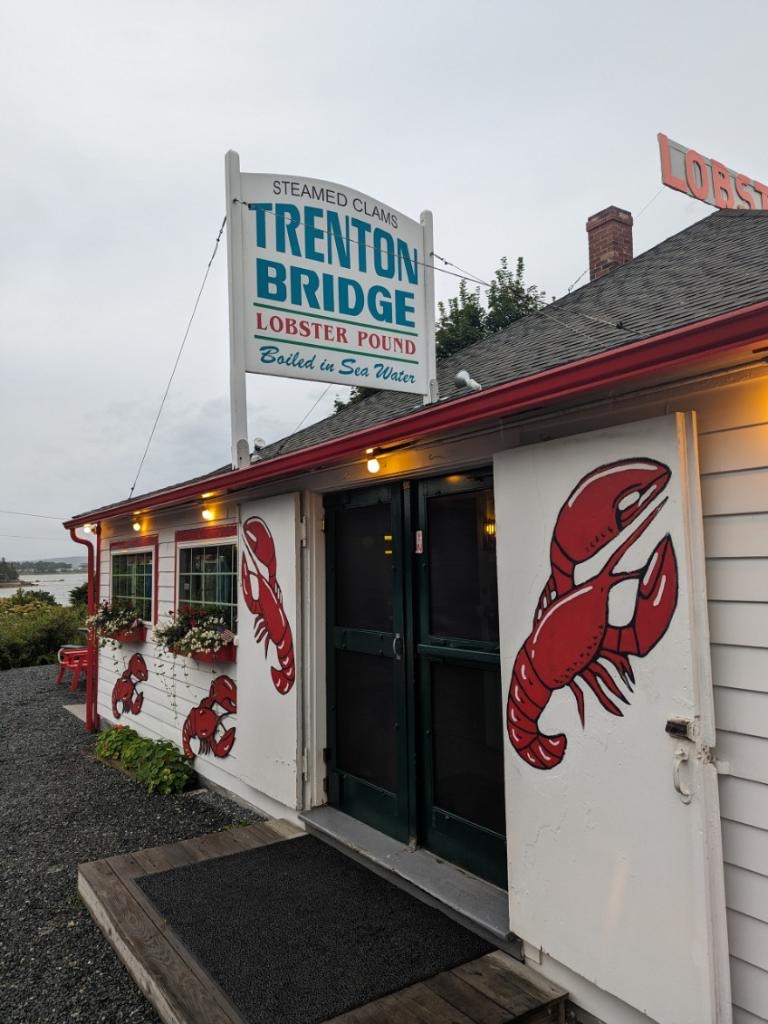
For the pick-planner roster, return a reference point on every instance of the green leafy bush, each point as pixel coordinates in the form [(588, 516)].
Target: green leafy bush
[(158, 765), (32, 629), (79, 594)]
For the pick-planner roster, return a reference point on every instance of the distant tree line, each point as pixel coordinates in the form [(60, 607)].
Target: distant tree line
[(14, 568), (465, 319)]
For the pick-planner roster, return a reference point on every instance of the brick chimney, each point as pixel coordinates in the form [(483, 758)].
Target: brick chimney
[(610, 241)]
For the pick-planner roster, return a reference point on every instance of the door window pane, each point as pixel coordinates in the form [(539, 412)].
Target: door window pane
[(364, 557), (462, 566), (366, 737), (467, 743)]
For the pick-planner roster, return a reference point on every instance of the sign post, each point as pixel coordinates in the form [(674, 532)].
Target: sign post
[(328, 284), (237, 393)]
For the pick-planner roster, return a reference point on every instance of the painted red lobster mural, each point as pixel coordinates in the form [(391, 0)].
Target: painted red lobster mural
[(124, 691), (202, 722), (571, 633), (258, 575)]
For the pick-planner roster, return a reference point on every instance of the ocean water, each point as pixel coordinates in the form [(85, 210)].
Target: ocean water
[(58, 584)]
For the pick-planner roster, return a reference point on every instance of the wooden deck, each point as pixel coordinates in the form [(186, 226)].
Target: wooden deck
[(494, 989)]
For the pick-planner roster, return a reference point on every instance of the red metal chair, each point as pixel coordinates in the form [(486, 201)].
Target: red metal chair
[(72, 659)]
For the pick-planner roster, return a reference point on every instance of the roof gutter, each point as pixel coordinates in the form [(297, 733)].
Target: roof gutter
[(672, 349)]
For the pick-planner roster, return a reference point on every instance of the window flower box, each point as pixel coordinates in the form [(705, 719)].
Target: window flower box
[(227, 653), (117, 623), (199, 633), (136, 635)]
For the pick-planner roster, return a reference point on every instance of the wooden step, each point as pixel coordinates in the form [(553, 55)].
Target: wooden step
[(494, 989)]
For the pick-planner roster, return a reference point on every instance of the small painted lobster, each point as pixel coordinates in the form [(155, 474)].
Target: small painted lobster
[(571, 633), (202, 722), (124, 691), (259, 563)]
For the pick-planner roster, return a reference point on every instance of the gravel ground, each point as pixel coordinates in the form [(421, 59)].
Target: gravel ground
[(59, 808)]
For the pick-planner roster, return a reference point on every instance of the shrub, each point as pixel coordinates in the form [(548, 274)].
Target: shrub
[(79, 594), (158, 765), (22, 598), (32, 630)]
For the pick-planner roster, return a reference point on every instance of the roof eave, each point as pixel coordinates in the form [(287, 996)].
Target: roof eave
[(666, 351)]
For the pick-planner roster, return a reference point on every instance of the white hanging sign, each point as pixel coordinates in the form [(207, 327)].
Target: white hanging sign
[(328, 284)]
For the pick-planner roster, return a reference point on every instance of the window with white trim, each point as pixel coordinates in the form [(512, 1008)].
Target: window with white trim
[(207, 577), (132, 581)]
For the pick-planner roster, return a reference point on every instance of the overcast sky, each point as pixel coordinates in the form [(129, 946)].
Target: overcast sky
[(511, 121)]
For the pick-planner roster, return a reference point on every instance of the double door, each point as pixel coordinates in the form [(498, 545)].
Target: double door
[(415, 718)]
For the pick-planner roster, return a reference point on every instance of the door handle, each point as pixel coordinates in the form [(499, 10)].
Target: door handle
[(680, 757), (397, 647)]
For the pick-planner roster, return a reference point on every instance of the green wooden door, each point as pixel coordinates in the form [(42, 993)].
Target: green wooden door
[(415, 717), (460, 731), (367, 722)]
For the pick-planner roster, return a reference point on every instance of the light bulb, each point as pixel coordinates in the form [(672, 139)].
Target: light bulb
[(373, 465), (207, 514)]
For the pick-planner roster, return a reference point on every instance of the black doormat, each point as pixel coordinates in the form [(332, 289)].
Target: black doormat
[(297, 933)]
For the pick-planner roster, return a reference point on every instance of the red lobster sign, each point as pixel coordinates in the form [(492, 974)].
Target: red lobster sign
[(124, 691), (202, 722), (258, 576), (572, 640)]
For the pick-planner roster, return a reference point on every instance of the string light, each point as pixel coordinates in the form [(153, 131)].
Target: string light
[(372, 465)]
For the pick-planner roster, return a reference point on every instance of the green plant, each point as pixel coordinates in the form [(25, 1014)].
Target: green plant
[(158, 765), (32, 631), (24, 597), (79, 594)]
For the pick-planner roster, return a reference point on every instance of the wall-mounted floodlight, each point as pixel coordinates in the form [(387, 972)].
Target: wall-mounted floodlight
[(463, 380)]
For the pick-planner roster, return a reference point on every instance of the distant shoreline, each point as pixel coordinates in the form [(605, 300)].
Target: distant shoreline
[(14, 584)]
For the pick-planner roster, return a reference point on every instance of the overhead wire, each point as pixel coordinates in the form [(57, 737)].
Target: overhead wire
[(33, 515), (178, 357)]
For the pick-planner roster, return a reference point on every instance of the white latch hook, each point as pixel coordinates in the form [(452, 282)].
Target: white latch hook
[(681, 756)]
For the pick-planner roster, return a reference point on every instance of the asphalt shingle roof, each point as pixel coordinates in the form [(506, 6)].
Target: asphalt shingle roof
[(716, 266)]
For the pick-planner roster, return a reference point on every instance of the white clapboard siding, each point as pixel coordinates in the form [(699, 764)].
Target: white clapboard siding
[(724, 451), (750, 988), (737, 536), (742, 668), (743, 801), (745, 1017), (741, 711), (740, 623), (745, 846), (747, 893), (745, 756), (737, 579), (738, 405), (748, 940), (734, 493), (733, 452)]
